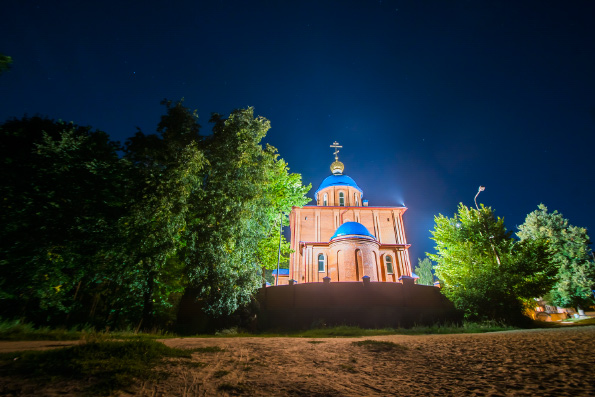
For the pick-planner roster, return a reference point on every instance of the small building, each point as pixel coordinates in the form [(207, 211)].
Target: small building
[(345, 239), (283, 278)]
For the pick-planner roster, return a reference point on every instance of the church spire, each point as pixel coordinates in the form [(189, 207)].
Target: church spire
[(337, 167)]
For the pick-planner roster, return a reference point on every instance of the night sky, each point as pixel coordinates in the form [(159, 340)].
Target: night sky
[(430, 99)]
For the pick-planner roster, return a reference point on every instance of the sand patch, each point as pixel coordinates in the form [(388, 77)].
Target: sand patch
[(543, 362)]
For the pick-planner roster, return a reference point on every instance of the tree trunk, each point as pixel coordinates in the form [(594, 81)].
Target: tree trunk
[(147, 318)]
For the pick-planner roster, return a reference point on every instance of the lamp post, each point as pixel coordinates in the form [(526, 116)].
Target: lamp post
[(481, 189)]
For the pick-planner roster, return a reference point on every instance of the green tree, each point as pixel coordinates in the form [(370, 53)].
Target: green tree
[(5, 62), (424, 271), (90, 236), (168, 173), (246, 189), (571, 255), (283, 191), (62, 190), (486, 273)]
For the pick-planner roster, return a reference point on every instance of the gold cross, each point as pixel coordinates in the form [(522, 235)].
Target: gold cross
[(336, 146)]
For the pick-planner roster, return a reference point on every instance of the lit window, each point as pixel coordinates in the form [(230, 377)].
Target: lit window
[(389, 264), (321, 263), (341, 199), (325, 201)]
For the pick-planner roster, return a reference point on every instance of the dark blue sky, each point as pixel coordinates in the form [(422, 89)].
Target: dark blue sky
[(430, 99)]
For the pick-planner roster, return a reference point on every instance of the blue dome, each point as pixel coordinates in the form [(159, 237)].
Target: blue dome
[(337, 180), (350, 228)]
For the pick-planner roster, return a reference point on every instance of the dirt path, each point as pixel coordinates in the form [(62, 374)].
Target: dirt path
[(551, 362), (554, 362)]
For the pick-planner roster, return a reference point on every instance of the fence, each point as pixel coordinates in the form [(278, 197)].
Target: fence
[(365, 304)]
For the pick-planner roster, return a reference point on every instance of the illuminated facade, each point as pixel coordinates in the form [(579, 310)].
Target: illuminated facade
[(343, 239)]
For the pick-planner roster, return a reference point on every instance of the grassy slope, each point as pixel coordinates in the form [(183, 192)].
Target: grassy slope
[(103, 366), (16, 331)]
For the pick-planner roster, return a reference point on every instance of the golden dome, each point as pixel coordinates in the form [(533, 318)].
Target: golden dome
[(337, 168)]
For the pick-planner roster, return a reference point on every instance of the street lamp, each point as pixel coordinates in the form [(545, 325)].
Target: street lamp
[(481, 189)]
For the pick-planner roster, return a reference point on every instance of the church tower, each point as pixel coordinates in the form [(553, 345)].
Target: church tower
[(345, 239)]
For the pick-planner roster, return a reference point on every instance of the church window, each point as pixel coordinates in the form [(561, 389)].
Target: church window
[(325, 200), (356, 203), (321, 263), (341, 199), (389, 264)]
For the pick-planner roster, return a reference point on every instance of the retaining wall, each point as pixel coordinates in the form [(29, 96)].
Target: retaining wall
[(365, 304)]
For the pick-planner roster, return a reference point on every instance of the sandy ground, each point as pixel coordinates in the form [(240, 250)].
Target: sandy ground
[(550, 362)]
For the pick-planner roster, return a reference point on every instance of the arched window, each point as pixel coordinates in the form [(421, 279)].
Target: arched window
[(341, 199), (325, 200), (356, 203), (321, 263), (389, 264)]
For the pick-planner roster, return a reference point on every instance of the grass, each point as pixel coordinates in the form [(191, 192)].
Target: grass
[(351, 331), (580, 321), (230, 388), (342, 331), (379, 346), (104, 366), (466, 328), (17, 330), (347, 331)]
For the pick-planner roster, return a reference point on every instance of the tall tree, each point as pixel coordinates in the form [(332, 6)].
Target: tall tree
[(424, 271), (246, 188), (486, 273), (168, 176), (571, 255)]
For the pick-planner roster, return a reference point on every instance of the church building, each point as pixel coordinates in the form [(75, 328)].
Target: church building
[(343, 238)]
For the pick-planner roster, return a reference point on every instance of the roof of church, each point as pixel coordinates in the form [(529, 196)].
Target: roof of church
[(352, 228), (337, 180)]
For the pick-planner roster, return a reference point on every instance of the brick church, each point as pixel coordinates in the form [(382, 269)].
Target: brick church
[(342, 238)]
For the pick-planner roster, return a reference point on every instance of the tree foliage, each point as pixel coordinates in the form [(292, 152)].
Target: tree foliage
[(571, 254), (5, 62), (246, 188), (88, 236), (62, 190), (167, 176), (424, 271), (487, 273)]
